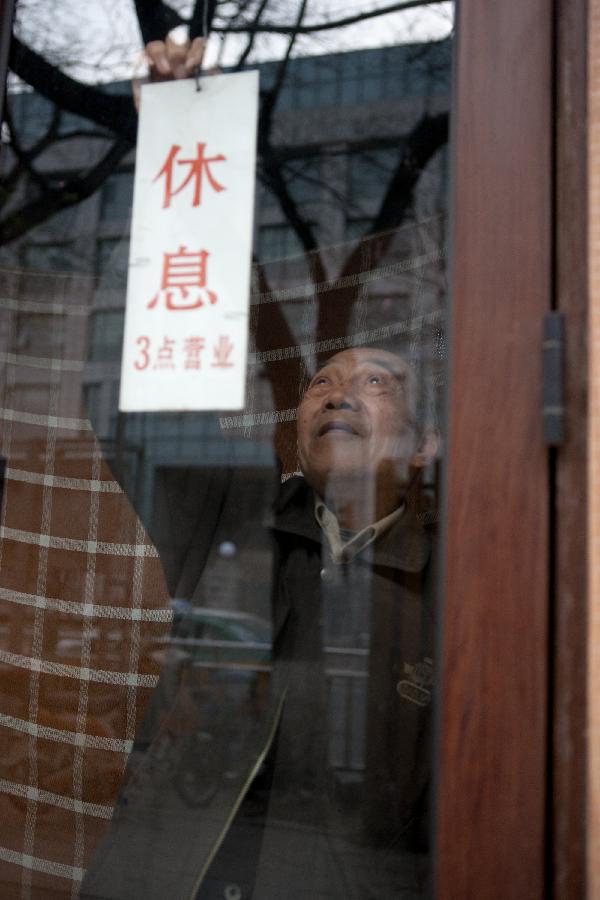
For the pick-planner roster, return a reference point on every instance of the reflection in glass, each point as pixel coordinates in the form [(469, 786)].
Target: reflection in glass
[(218, 672)]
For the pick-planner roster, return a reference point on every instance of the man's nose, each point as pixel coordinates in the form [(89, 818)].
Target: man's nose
[(341, 397)]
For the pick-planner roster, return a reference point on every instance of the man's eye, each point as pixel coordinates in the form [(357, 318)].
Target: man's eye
[(375, 379), (318, 381)]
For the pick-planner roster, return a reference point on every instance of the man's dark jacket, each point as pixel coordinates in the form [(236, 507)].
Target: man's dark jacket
[(306, 831)]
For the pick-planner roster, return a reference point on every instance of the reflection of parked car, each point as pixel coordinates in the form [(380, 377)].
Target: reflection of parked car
[(213, 690), (219, 636)]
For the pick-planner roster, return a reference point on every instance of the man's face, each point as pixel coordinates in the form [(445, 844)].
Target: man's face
[(357, 419)]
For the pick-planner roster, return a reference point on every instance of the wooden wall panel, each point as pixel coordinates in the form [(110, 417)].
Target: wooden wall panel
[(492, 788)]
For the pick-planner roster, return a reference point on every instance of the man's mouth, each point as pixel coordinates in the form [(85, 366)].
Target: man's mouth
[(338, 426)]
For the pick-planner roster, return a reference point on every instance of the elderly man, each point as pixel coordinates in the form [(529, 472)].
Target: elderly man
[(329, 794), (354, 596)]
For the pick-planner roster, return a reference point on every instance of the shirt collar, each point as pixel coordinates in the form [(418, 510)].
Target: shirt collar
[(344, 551), (405, 546)]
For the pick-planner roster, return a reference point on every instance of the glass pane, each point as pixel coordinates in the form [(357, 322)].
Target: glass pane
[(217, 671)]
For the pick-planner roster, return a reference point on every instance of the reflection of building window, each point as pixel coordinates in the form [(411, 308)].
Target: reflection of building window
[(100, 401), (362, 76), (375, 80), (35, 337), (278, 242), (113, 404), (33, 398), (427, 68), (64, 221), (370, 172), (106, 334), (117, 197), (341, 78), (92, 398), (303, 180), (112, 258), (55, 257), (351, 72), (356, 228), (312, 82)]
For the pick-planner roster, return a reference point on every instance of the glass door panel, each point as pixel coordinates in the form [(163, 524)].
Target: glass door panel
[(218, 664)]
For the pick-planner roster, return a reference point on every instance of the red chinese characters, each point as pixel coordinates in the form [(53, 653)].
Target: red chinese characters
[(198, 168), (184, 279), (182, 355), (183, 283), (164, 354), (193, 347), (222, 353)]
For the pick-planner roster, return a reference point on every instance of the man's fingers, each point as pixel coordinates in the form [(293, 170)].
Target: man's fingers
[(156, 52), (195, 54), (176, 54), (172, 59)]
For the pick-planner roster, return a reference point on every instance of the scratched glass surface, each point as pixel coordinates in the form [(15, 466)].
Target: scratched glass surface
[(217, 676)]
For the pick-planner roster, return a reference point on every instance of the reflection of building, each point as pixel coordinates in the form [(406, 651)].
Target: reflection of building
[(338, 130)]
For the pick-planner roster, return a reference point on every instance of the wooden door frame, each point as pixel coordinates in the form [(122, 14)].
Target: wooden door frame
[(492, 749), (567, 869)]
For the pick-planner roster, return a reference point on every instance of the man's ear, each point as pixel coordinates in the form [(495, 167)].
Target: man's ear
[(427, 448)]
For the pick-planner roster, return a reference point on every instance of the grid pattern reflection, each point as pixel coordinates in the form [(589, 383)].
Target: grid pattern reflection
[(84, 613)]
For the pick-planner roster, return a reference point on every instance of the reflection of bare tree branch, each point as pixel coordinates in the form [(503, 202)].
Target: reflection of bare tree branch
[(242, 6), (202, 18), (116, 114), (272, 176), (253, 32), (271, 166), (111, 111), (429, 134), (25, 158), (270, 97), (326, 26), (53, 200), (273, 331), (47, 139), (156, 19)]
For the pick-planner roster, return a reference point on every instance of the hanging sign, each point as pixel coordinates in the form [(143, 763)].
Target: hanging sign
[(186, 321)]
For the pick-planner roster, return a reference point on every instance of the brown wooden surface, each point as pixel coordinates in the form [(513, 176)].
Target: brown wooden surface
[(593, 498), (570, 621), (492, 790)]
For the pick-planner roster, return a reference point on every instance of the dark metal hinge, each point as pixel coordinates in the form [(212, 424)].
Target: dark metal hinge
[(553, 374)]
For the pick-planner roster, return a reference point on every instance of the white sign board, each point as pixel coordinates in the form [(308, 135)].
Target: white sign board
[(186, 322)]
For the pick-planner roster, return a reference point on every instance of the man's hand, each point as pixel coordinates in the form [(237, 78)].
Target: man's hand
[(169, 59)]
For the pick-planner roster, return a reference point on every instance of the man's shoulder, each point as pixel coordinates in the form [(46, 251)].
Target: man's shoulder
[(294, 491), (294, 509)]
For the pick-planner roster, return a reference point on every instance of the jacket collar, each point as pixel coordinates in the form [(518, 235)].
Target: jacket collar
[(294, 510), (406, 546)]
